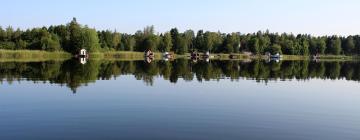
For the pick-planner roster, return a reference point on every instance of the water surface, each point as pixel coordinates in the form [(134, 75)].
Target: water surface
[(180, 99)]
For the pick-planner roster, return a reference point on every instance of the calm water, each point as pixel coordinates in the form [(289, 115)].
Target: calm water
[(185, 100)]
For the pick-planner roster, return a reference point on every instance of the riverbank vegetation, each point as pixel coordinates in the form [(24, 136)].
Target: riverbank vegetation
[(122, 55), (74, 36), (32, 55)]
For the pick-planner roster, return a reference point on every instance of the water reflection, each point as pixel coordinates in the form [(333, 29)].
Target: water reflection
[(73, 74), (83, 60)]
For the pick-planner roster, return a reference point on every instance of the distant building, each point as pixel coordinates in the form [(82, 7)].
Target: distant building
[(83, 52), (167, 55), (82, 56), (149, 53)]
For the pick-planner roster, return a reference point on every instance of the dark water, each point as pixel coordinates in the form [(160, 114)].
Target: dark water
[(232, 100)]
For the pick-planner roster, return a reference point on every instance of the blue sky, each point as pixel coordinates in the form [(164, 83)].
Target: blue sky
[(317, 17)]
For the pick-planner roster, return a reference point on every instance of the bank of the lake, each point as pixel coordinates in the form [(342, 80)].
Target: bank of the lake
[(131, 55), (123, 55), (321, 57), (240, 56), (36, 55), (32, 55)]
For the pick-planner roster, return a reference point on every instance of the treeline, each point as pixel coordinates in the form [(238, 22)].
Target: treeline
[(73, 36), (70, 38)]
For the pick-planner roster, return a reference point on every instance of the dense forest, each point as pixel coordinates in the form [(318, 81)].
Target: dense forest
[(73, 74), (73, 36)]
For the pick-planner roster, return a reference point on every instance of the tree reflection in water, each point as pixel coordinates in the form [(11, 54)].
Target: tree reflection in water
[(73, 74)]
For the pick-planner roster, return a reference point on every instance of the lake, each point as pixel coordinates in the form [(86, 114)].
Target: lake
[(180, 100)]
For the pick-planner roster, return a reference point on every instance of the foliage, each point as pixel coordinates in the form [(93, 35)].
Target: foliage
[(166, 42), (274, 49), (74, 36), (73, 74), (90, 40)]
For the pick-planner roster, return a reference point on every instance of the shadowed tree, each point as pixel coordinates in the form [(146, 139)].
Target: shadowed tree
[(166, 43), (349, 45)]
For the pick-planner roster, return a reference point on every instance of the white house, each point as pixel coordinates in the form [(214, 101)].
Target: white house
[(83, 52)]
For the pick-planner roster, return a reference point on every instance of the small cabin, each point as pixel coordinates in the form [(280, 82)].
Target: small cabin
[(314, 57), (206, 55), (149, 53), (194, 55), (234, 56), (168, 55), (267, 54), (277, 55), (83, 52)]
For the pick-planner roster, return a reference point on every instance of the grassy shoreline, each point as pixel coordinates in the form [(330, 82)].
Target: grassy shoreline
[(36, 55), (128, 55), (32, 55), (121, 55)]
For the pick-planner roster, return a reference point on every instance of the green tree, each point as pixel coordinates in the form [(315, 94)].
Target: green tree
[(264, 43), (182, 45), (166, 43), (9, 33), (146, 39), (288, 47), (334, 45), (357, 44), (90, 40), (63, 33), (21, 44), (106, 40), (305, 47), (313, 45), (129, 42), (189, 37), (174, 36), (199, 40), (150, 43), (349, 45), (254, 45), (75, 36), (321, 46), (231, 44), (7, 45), (275, 48), (116, 40), (16, 35), (2, 34), (50, 42), (149, 30), (211, 41)]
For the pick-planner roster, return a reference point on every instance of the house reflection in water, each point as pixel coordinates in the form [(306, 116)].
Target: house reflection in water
[(83, 60), (148, 59)]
